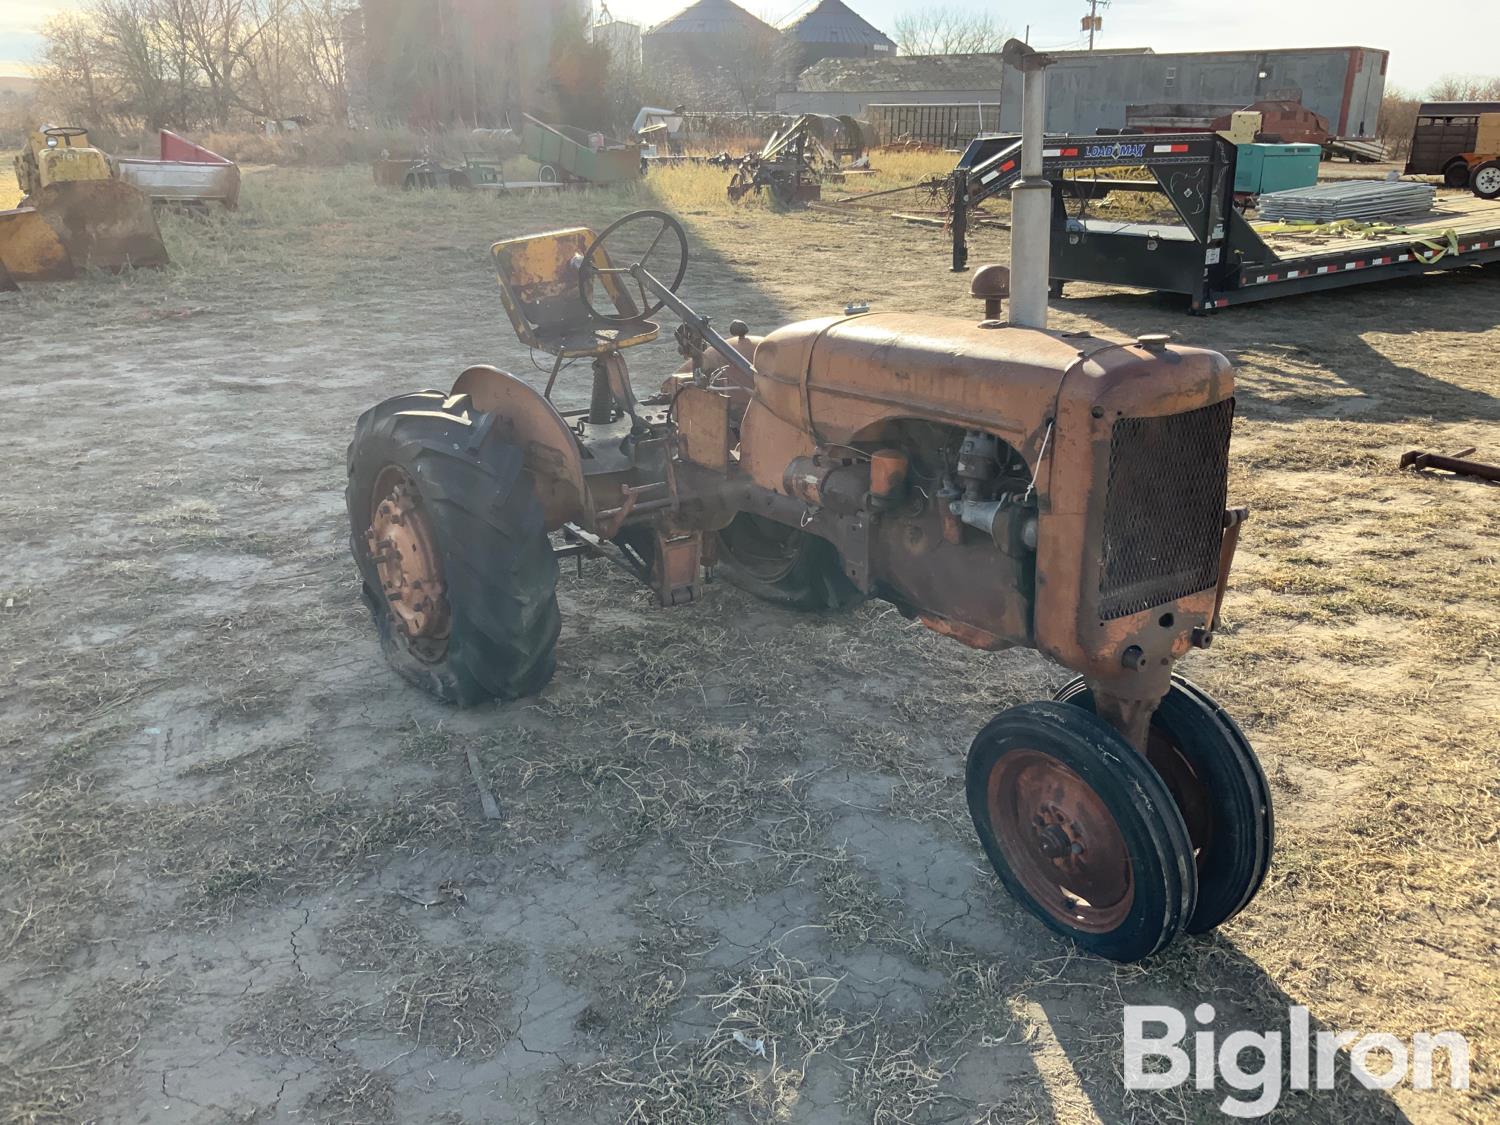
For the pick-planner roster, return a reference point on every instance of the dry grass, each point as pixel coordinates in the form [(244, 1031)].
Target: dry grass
[(398, 979), (769, 1025), (10, 189), (752, 786), (54, 1080), (354, 1096), (71, 848)]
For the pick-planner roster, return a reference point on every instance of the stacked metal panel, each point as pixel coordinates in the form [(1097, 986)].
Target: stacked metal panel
[(1363, 200)]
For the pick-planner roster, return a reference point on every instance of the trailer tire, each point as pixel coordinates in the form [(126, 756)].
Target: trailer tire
[(1456, 173), (480, 512), (1484, 180), (784, 565)]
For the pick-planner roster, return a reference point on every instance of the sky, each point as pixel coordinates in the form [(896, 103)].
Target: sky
[(1426, 40)]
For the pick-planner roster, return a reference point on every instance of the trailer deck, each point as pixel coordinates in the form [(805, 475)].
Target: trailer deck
[(1207, 248)]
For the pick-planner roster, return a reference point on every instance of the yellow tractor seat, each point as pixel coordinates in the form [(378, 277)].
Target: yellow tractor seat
[(538, 278)]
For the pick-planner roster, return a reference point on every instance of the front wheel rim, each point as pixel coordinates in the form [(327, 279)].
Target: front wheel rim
[(1061, 841)]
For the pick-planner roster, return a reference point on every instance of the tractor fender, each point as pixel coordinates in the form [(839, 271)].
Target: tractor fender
[(548, 448)]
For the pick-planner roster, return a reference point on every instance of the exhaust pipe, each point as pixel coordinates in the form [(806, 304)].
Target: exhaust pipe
[(1031, 195)]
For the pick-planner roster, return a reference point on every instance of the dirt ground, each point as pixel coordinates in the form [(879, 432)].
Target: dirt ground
[(244, 874)]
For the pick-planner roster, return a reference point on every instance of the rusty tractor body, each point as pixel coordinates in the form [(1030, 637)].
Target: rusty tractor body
[(1006, 486)]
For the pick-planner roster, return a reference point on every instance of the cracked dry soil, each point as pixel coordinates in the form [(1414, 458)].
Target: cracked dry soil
[(243, 871)]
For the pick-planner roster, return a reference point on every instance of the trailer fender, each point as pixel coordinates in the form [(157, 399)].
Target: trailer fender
[(548, 446)]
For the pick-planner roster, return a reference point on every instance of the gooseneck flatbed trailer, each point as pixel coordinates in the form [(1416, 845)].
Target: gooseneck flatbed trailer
[(1205, 248)]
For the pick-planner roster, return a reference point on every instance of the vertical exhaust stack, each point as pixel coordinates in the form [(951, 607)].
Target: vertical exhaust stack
[(1031, 195)]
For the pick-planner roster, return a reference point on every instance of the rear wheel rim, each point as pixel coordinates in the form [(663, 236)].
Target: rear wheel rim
[(1061, 841), (405, 553)]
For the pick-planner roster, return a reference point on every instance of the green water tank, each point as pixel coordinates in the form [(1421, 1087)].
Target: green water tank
[(1265, 167)]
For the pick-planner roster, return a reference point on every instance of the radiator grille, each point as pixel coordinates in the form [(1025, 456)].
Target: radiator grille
[(1164, 508)]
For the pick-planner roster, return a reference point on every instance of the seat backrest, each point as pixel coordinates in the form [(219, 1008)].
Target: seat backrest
[(538, 277), (539, 282)]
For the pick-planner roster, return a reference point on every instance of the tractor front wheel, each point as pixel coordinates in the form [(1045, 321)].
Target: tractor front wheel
[(449, 538), (784, 565), (1081, 830), (1219, 787)]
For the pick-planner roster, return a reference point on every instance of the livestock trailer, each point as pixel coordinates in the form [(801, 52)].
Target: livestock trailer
[(1443, 131)]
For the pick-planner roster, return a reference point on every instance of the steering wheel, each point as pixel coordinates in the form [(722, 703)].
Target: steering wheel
[(65, 131), (635, 239)]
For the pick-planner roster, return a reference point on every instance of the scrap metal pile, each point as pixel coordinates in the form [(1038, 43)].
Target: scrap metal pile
[(1365, 200), (426, 172), (794, 162)]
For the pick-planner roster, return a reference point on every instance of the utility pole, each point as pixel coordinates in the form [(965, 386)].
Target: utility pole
[(1094, 21)]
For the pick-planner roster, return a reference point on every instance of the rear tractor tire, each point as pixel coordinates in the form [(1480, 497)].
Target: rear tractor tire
[(784, 565), (449, 538)]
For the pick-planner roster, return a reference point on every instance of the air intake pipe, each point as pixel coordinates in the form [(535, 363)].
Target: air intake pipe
[(1031, 195)]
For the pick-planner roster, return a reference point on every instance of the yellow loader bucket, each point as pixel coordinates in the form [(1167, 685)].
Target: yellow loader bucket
[(30, 249), (67, 227)]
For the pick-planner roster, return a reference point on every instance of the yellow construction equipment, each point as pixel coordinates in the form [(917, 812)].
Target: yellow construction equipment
[(75, 215)]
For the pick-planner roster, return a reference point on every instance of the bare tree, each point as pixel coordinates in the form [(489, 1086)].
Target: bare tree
[(148, 57), (1465, 88), (1398, 118), (122, 63), (948, 31), (319, 30), (69, 75)]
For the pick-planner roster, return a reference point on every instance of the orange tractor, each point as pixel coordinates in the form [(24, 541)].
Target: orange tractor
[(1005, 484)]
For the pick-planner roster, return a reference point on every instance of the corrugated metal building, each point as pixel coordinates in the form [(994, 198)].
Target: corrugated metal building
[(1090, 90), (831, 30), (623, 40)]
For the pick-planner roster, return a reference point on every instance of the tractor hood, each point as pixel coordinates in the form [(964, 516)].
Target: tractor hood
[(841, 377)]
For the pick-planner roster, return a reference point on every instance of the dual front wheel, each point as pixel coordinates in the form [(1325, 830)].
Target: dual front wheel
[(1117, 850)]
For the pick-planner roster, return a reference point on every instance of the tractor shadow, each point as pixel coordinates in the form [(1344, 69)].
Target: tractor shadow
[(1244, 998), (1314, 352)]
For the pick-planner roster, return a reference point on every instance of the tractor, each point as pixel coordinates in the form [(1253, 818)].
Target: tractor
[(1003, 484), (77, 213)]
